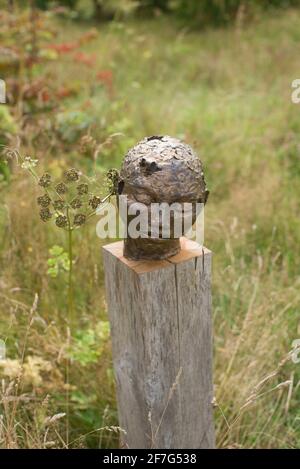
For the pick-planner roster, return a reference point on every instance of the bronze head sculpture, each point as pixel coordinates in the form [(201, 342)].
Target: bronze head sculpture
[(160, 169)]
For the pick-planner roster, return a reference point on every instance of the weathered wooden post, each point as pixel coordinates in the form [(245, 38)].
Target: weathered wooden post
[(161, 327)]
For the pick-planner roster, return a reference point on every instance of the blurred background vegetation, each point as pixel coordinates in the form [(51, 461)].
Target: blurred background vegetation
[(85, 81)]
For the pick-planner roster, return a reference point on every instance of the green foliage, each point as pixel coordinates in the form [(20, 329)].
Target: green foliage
[(45, 4), (197, 12), (58, 262), (7, 123), (71, 125), (222, 12), (8, 127), (88, 345), (162, 5)]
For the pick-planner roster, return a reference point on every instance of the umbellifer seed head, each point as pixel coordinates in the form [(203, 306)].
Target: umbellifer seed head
[(61, 188), (71, 175), (58, 204), (83, 189), (94, 202), (61, 221), (45, 214), (44, 200), (45, 180), (79, 219), (76, 203), (112, 177)]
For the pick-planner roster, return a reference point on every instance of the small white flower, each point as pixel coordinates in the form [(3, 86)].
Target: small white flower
[(29, 163)]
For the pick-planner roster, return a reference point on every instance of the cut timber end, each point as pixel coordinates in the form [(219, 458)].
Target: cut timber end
[(160, 315)]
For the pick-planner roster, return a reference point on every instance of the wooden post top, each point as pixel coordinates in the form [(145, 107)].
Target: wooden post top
[(189, 250)]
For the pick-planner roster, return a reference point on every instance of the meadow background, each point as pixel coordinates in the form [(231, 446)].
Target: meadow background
[(84, 83)]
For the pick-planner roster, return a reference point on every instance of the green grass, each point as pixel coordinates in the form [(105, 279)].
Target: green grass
[(227, 92)]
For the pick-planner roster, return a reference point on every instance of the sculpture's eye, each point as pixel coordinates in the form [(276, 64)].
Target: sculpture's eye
[(153, 166), (149, 167)]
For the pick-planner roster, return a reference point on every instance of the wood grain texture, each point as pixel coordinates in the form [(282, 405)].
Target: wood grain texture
[(160, 315)]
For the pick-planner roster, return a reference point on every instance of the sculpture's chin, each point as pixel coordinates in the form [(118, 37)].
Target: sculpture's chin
[(150, 249)]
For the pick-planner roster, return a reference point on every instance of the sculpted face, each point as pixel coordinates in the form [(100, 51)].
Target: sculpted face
[(160, 170)]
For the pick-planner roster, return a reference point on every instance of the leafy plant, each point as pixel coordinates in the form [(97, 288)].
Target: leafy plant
[(70, 202), (59, 261), (7, 124), (71, 124), (44, 4), (8, 127), (88, 345)]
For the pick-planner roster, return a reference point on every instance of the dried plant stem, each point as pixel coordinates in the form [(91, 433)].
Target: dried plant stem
[(70, 321), (68, 390), (70, 281), (170, 395)]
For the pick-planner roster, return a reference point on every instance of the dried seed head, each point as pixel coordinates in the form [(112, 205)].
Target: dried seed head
[(58, 204), (94, 202), (83, 189), (112, 173), (87, 144), (44, 200), (45, 214), (79, 219), (61, 221), (76, 203), (71, 175), (45, 180), (112, 180), (61, 188)]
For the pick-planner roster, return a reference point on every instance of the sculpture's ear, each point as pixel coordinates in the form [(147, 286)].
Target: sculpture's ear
[(206, 194), (120, 187)]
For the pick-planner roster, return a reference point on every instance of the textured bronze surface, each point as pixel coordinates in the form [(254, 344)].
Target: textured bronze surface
[(160, 169)]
